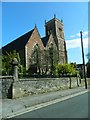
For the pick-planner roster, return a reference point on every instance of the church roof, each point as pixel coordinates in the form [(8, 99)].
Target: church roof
[(45, 40), (17, 44)]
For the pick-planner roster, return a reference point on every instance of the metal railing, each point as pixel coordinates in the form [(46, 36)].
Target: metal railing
[(5, 77)]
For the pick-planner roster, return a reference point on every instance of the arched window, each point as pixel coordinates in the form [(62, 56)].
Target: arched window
[(36, 56)]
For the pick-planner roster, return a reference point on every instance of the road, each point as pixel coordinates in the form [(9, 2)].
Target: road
[(76, 107)]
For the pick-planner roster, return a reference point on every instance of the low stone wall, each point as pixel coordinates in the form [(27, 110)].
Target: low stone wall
[(88, 81), (6, 83), (25, 87)]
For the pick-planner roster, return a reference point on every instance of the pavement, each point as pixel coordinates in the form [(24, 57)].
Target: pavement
[(13, 107)]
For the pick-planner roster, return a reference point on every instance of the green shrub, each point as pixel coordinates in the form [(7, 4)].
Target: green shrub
[(67, 69)]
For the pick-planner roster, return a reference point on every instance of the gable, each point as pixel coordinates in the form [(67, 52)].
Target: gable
[(29, 47), (35, 39), (51, 41)]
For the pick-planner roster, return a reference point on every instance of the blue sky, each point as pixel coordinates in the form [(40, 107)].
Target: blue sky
[(20, 17)]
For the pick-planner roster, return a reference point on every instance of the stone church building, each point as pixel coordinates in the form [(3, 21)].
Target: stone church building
[(40, 54)]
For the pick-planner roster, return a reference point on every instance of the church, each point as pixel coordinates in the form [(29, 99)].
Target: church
[(40, 54)]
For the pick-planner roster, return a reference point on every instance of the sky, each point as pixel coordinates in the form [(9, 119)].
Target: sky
[(20, 17)]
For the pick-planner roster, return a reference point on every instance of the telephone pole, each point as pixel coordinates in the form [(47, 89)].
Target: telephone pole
[(83, 60)]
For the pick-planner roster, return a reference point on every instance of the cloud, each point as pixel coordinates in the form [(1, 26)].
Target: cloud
[(72, 36), (76, 43), (85, 33)]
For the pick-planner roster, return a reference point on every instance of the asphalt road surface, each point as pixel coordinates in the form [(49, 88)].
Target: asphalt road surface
[(76, 107)]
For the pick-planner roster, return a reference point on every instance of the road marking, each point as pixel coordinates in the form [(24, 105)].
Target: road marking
[(29, 109)]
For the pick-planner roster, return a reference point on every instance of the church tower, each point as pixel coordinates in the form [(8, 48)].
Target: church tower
[(55, 26)]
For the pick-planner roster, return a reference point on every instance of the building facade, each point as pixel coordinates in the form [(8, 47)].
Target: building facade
[(40, 54)]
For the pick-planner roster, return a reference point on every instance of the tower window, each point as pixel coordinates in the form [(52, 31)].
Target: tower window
[(61, 32), (60, 29)]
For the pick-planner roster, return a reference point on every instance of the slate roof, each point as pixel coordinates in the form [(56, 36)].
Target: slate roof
[(17, 44), (45, 40)]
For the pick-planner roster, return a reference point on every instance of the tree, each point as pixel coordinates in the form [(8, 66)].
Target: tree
[(0, 64), (65, 69), (88, 65), (35, 61), (7, 63), (88, 69), (44, 61), (53, 57)]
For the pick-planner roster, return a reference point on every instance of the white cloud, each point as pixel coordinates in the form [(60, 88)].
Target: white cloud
[(85, 33), (75, 43), (78, 34), (72, 36)]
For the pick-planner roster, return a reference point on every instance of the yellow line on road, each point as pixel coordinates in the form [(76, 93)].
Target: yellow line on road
[(29, 109)]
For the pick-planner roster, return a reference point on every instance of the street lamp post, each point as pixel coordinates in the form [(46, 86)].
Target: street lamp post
[(83, 60)]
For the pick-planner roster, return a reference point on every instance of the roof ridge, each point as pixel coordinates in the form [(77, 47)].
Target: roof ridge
[(19, 37), (19, 43)]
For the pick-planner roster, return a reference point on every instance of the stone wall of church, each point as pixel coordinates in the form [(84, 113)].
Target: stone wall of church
[(34, 39), (59, 29)]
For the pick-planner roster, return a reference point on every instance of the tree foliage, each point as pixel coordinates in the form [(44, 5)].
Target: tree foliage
[(35, 61), (7, 63), (88, 69), (67, 69)]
